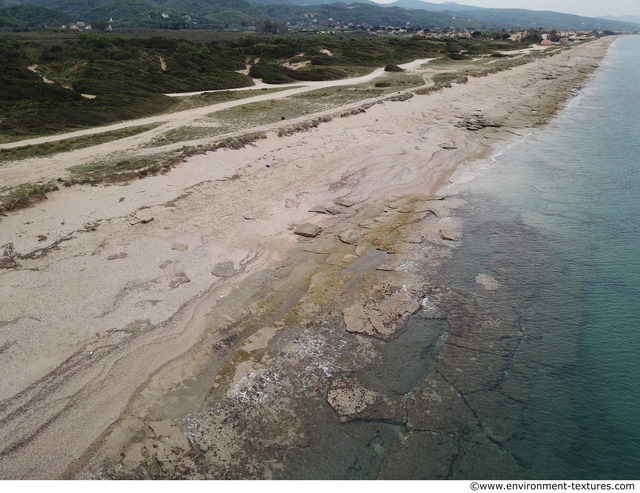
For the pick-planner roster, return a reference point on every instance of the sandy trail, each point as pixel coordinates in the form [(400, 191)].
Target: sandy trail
[(95, 301)]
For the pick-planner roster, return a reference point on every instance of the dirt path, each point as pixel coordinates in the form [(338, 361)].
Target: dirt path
[(103, 286)]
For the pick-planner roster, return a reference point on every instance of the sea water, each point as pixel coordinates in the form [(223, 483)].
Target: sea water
[(558, 214)]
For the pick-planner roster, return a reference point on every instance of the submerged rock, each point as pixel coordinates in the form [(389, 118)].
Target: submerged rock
[(446, 234), (225, 269), (420, 455), (353, 400), (439, 407)]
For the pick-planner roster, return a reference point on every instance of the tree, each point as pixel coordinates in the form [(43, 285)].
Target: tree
[(267, 26), (99, 24)]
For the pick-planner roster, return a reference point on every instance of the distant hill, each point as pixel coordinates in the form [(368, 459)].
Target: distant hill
[(433, 7), (635, 19), (546, 19), (33, 13), (504, 18), (219, 14), (311, 2)]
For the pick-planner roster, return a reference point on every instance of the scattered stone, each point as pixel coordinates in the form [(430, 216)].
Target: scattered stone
[(353, 400), (333, 211), (248, 218), (344, 202), (291, 204), (165, 264), (181, 247), (146, 220), (178, 280), (476, 122), (318, 208), (307, 229), (42, 238), (350, 236), (446, 234), (225, 269), (447, 146), (117, 256)]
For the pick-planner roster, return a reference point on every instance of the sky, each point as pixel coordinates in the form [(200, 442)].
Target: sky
[(588, 8)]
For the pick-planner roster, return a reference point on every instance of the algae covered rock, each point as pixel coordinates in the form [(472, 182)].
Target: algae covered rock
[(354, 400)]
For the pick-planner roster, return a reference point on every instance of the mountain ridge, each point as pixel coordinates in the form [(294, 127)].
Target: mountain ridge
[(219, 14)]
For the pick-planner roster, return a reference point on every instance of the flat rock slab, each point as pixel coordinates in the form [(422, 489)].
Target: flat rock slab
[(350, 236), (353, 400), (181, 247), (344, 202), (179, 280), (440, 408), (117, 256), (447, 234), (333, 211), (420, 455), (318, 208), (225, 269), (307, 229)]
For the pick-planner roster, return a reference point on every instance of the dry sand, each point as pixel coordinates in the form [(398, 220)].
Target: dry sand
[(96, 297)]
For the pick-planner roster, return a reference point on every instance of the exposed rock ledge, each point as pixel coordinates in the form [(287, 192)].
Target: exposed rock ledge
[(353, 400)]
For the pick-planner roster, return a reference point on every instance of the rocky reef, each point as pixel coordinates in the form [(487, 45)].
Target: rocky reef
[(303, 388)]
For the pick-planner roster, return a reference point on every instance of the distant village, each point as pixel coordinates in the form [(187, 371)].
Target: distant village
[(311, 24)]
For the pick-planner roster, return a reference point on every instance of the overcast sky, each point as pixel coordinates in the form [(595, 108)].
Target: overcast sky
[(589, 8)]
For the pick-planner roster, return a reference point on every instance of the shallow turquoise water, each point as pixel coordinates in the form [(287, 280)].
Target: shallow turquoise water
[(559, 214)]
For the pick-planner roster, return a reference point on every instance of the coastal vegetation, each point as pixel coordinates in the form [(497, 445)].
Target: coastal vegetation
[(53, 87), (65, 145)]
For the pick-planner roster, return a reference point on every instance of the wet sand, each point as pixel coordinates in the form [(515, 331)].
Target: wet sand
[(119, 342)]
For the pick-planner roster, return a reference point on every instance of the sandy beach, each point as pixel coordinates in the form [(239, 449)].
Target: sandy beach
[(128, 307)]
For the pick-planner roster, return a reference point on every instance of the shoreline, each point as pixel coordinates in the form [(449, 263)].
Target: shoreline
[(374, 145)]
